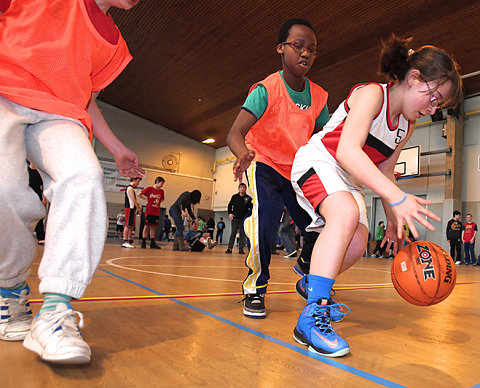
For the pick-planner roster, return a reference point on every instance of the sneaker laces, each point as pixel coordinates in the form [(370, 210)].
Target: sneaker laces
[(17, 306), (321, 313), (66, 320), (338, 306), (253, 298)]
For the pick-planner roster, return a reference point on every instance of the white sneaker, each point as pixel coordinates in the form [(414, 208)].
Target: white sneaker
[(15, 314), (126, 244), (458, 262), (290, 255), (56, 338)]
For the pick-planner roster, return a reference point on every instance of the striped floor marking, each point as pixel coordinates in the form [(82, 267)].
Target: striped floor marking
[(208, 295), (214, 295)]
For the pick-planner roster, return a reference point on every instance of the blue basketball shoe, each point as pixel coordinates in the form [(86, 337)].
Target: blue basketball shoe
[(315, 330), (337, 311)]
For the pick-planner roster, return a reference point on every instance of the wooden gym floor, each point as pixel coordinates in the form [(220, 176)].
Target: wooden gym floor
[(173, 319)]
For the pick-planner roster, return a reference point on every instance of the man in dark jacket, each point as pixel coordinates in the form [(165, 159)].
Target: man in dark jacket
[(454, 236), (239, 207)]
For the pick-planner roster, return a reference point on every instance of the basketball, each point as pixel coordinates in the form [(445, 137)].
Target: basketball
[(423, 273)]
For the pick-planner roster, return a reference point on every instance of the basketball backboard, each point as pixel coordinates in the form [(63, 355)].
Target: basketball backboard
[(408, 163)]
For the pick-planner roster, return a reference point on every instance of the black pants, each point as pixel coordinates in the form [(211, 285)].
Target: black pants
[(456, 245), (378, 249), (40, 230), (166, 231), (210, 232), (197, 246), (237, 224), (272, 192)]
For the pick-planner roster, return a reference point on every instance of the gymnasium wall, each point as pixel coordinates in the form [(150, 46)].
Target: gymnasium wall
[(153, 143), (471, 156), (209, 170)]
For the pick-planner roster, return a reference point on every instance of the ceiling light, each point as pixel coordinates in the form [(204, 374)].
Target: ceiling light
[(208, 141)]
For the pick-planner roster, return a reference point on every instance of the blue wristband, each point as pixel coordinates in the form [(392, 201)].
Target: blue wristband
[(399, 202)]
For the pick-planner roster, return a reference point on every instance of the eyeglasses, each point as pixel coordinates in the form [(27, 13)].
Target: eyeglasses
[(433, 100), (300, 48)]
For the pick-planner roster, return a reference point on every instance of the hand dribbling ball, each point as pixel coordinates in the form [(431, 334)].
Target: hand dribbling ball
[(423, 273)]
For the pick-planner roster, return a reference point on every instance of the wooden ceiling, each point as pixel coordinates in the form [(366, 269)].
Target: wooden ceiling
[(194, 61)]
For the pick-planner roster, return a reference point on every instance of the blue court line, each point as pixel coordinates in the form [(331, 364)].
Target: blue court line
[(304, 351)]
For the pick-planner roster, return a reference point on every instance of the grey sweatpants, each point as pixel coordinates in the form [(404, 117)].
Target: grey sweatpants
[(73, 184)]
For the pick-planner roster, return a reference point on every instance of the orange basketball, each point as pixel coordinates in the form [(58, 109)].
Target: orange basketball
[(423, 273)]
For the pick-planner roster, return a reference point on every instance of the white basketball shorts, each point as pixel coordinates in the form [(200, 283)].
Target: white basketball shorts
[(315, 175)]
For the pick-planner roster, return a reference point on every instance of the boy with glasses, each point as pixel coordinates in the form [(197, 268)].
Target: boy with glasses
[(280, 114)]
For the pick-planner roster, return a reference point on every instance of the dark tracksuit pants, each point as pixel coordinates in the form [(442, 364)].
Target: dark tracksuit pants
[(237, 225), (456, 245), (270, 192)]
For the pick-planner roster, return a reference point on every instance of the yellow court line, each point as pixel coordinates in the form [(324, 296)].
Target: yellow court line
[(181, 296), (172, 296)]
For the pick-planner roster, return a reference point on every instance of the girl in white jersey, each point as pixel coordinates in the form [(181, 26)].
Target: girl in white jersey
[(360, 146)]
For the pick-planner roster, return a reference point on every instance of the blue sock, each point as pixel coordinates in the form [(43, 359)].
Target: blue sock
[(9, 292), (51, 300), (319, 288)]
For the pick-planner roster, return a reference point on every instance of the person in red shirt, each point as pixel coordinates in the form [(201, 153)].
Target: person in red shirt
[(469, 232), (55, 56), (154, 196)]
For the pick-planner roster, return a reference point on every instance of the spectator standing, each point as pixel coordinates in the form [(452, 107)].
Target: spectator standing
[(379, 235), (454, 237), (220, 229), (210, 226), (120, 223), (239, 206), (131, 209), (154, 196), (469, 232)]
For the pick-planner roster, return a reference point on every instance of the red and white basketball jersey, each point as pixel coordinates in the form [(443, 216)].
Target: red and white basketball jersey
[(382, 138)]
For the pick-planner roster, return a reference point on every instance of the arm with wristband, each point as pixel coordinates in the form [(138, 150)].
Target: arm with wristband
[(399, 207)]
